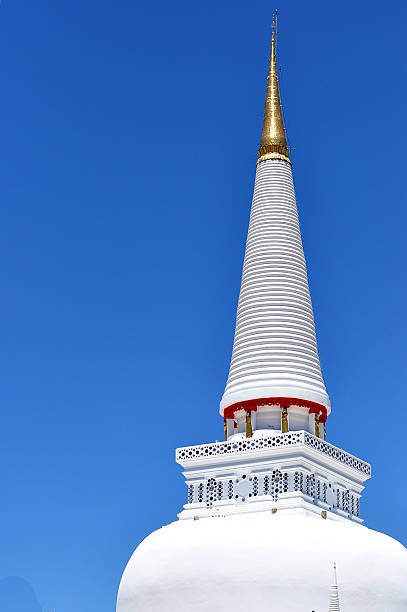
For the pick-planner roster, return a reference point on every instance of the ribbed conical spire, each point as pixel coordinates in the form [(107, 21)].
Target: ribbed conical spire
[(275, 351), (273, 138), (334, 600)]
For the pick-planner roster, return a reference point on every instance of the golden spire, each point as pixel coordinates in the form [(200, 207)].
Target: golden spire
[(273, 139)]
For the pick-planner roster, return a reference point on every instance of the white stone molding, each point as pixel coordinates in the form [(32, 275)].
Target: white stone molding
[(290, 470)]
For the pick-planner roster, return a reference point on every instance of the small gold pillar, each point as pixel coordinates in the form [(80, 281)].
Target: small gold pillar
[(249, 429), (284, 420), (225, 427), (317, 425), (324, 430)]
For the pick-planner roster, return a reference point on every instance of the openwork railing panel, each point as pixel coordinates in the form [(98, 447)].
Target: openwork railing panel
[(293, 438)]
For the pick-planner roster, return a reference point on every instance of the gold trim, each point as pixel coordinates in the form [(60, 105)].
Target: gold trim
[(225, 428), (273, 156)]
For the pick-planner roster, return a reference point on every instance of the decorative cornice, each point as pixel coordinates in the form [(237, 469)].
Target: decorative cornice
[(283, 402)]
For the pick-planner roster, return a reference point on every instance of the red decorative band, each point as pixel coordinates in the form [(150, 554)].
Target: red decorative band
[(283, 402)]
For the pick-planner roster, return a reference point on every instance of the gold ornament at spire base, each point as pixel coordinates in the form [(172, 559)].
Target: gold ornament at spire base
[(273, 139)]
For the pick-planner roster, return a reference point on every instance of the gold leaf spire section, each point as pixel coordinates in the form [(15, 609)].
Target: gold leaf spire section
[(273, 139)]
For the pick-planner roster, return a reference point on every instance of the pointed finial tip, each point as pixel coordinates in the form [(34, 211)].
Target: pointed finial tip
[(273, 137), (274, 22)]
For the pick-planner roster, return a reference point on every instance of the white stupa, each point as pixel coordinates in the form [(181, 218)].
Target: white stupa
[(334, 601), (273, 507)]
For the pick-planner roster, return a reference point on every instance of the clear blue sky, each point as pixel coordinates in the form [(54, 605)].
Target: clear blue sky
[(128, 148)]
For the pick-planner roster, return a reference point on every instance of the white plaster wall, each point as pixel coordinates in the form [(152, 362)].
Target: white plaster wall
[(298, 418), (275, 350), (268, 417)]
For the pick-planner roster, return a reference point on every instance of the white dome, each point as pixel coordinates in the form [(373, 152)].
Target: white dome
[(264, 562)]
